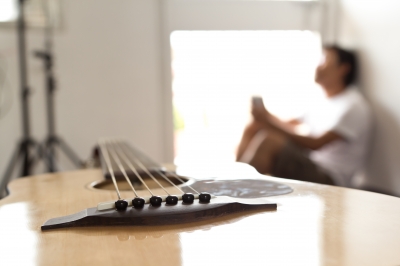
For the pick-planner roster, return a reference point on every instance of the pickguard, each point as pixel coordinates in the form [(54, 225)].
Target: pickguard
[(242, 188)]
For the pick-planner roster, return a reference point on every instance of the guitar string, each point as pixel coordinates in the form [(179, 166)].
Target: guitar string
[(139, 163), (121, 168), (183, 182), (166, 178), (132, 168), (109, 166), (169, 181)]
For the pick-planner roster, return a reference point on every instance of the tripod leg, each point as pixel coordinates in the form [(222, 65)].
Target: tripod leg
[(44, 156), (25, 171), (49, 155), (10, 169), (28, 158), (51, 165), (70, 153)]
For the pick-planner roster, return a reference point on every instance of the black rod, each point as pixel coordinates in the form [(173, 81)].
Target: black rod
[(21, 26), (23, 70)]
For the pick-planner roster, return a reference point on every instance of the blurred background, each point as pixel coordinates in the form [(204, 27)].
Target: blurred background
[(175, 77)]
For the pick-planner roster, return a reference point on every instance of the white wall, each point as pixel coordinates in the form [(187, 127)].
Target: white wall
[(108, 72), (240, 15), (372, 28)]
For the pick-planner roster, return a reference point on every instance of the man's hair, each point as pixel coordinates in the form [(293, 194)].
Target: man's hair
[(346, 57)]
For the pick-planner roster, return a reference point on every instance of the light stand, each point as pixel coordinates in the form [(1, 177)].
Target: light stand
[(23, 151), (52, 141)]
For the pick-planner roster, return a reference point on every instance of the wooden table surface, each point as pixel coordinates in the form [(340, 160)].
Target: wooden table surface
[(314, 225)]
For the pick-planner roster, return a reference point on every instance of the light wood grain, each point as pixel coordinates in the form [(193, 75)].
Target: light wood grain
[(314, 225)]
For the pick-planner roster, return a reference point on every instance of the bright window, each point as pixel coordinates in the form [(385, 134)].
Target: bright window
[(215, 73), (8, 10), (39, 13)]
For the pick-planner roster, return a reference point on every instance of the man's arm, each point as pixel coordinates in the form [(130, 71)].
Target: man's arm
[(272, 122), (311, 142), (288, 126), (258, 107)]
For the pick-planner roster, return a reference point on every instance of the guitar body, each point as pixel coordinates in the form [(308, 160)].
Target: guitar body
[(313, 225)]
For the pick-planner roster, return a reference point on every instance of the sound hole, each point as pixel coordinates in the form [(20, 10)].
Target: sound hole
[(123, 185)]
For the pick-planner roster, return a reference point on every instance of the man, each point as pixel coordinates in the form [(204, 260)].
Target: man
[(339, 127)]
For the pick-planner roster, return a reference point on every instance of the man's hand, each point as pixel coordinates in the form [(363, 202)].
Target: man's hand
[(259, 113)]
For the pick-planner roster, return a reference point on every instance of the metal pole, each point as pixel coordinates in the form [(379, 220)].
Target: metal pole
[(26, 167)]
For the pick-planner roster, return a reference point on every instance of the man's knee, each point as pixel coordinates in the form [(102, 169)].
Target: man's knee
[(270, 145), (275, 141), (252, 128)]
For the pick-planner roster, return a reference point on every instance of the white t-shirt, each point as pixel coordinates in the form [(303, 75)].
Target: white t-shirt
[(347, 114)]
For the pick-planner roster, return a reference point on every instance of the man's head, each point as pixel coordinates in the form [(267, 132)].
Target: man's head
[(339, 67)]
